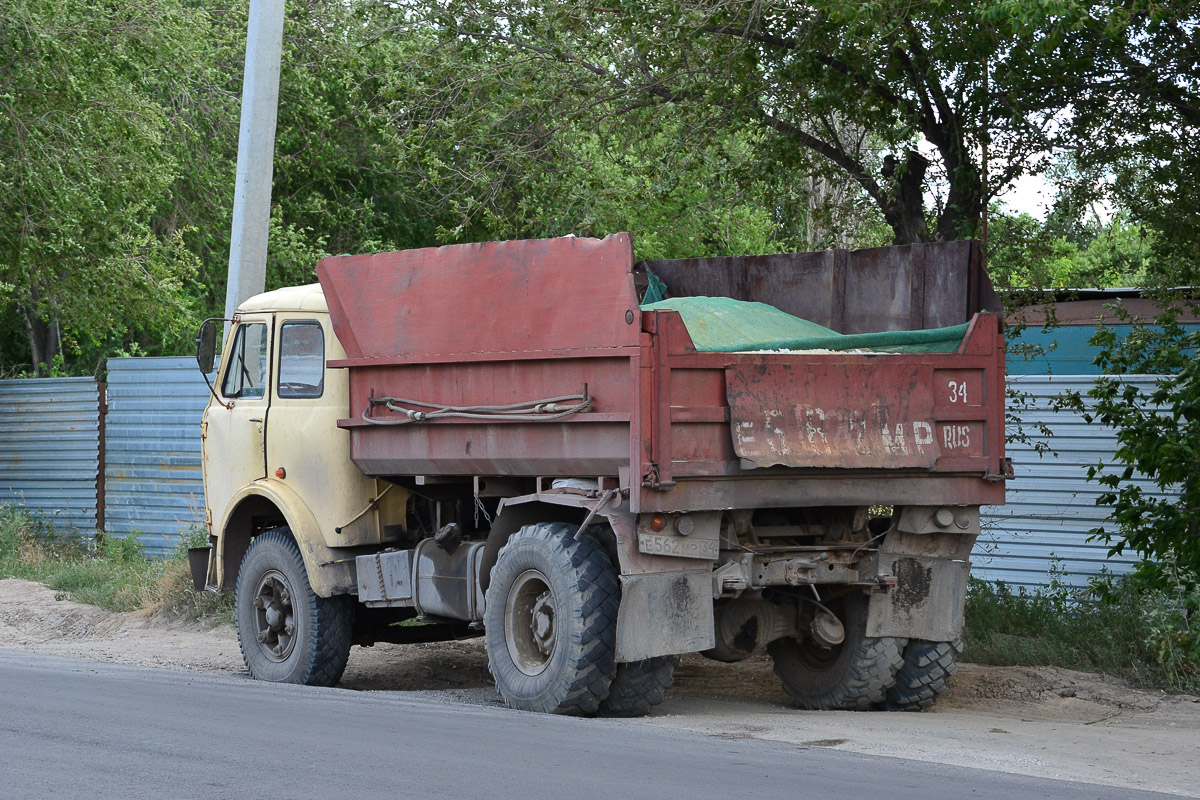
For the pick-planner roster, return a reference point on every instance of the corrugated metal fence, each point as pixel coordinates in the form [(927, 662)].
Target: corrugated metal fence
[(152, 479), (49, 448), (1051, 505)]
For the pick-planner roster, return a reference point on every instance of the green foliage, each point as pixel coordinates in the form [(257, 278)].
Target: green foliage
[(1143, 632), (703, 128), (1158, 438), (1135, 116), (888, 98), (106, 571), (81, 161), (1027, 254)]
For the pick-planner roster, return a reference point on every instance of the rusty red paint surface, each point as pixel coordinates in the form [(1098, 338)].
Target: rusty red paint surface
[(511, 322), (493, 297), (949, 407), (801, 415)]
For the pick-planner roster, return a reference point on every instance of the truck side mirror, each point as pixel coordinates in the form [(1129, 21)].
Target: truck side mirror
[(206, 346)]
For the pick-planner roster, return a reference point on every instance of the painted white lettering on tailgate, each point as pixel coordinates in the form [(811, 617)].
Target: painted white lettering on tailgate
[(956, 437), (958, 391), (814, 429), (894, 442), (856, 427), (777, 441), (745, 432), (922, 435)]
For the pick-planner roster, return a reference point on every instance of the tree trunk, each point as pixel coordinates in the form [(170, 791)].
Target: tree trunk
[(45, 341), (904, 205), (961, 217)]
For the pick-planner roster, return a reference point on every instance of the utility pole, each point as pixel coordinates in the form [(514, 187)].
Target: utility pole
[(256, 154)]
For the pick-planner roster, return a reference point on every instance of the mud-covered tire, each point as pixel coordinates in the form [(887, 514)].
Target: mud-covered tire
[(287, 633), (925, 674), (550, 621), (639, 686), (854, 676)]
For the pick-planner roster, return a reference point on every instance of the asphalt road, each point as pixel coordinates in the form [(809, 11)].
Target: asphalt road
[(79, 729)]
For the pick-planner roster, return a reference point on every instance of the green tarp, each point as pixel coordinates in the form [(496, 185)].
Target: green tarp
[(723, 324)]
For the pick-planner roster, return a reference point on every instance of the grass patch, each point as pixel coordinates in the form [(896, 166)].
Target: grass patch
[(105, 571), (1127, 627)]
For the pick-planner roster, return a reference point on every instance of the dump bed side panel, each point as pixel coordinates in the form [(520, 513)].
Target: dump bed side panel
[(911, 287), (593, 443), (492, 324)]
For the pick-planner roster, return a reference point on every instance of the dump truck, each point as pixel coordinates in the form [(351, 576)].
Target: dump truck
[(600, 466)]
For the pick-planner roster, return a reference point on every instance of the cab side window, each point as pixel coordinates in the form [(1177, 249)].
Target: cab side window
[(246, 375), (301, 359)]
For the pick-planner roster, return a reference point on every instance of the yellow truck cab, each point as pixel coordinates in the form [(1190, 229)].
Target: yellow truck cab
[(273, 456)]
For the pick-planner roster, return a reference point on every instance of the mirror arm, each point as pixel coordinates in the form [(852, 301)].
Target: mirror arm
[(212, 390), (214, 393)]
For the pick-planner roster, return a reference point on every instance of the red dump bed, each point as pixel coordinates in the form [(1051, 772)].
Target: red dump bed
[(506, 323)]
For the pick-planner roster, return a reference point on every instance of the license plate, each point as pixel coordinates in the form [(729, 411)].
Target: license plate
[(678, 546)]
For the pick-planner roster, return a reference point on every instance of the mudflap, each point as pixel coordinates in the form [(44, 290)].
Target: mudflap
[(665, 613), (926, 602)]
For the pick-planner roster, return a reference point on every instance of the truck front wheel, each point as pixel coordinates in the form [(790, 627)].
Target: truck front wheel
[(855, 675), (287, 633), (550, 621)]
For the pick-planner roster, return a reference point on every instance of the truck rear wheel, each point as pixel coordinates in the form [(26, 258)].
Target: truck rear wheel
[(287, 633), (926, 673), (640, 685), (854, 675), (550, 621)]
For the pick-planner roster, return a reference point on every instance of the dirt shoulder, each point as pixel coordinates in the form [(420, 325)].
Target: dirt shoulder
[(1042, 722)]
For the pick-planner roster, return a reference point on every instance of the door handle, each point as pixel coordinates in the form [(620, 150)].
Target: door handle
[(254, 419)]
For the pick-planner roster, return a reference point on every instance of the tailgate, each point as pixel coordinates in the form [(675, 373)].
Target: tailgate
[(928, 411)]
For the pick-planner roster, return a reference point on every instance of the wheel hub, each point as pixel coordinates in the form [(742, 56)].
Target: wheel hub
[(530, 629), (274, 618), (543, 622)]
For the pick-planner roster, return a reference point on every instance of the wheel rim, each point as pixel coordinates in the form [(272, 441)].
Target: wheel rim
[(817, 658), (531, 622), (274, 619)]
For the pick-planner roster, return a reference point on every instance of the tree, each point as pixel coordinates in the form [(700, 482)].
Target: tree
[(893, 96), (81, 163), (1130, 74)]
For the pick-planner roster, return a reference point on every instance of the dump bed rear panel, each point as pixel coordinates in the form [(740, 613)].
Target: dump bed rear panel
[(881, 411), (743, 429)]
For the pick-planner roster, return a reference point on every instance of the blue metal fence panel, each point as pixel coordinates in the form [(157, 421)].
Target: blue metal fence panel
[(1064, 350), (153, 483), (1051, 504), (49, 449)]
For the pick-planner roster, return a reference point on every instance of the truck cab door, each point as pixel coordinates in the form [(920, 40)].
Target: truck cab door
[(235, 436)]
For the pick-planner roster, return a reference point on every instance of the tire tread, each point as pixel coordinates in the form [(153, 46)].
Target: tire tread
[(925, 674), (640, 685)]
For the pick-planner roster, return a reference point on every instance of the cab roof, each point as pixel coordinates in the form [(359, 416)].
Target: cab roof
[(290, 298)]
